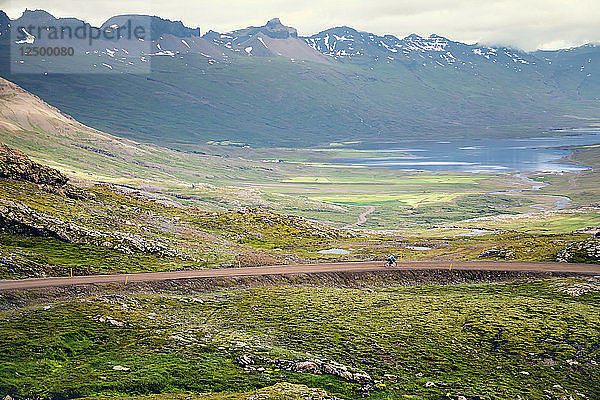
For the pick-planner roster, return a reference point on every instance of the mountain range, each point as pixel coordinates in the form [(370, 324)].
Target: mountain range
[(268, 86)]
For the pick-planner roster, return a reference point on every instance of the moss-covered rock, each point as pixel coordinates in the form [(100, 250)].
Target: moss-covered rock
[(581, 252)]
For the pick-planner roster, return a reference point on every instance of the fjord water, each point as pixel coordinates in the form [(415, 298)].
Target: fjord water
[(483, 155)]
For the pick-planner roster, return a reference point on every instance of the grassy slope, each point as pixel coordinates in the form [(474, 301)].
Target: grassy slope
[(493, 341), (114, 231)]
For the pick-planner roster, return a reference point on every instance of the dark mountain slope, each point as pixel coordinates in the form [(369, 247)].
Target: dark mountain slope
[(283, 102)]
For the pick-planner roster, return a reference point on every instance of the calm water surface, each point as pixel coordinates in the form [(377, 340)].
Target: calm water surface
[(484, 155)]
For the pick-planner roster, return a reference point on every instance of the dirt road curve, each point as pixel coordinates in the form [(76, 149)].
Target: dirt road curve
[(588, 269)]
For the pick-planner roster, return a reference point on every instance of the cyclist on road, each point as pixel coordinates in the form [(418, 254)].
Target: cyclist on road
[(391, 261)]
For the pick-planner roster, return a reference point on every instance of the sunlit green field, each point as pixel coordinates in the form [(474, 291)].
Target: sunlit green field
[(400, 179), (403, 199)]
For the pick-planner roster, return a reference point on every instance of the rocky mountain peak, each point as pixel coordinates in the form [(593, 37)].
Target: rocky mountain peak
[(274, 23), (275, 29), (4, 20), (413, 36), (37, 16)]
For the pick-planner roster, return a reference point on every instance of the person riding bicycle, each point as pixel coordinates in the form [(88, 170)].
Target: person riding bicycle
[(391, 260)]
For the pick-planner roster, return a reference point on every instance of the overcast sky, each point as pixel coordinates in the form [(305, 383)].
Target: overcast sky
[(526, 24)]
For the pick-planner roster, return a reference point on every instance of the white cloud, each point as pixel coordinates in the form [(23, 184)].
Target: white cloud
[(528, 24)]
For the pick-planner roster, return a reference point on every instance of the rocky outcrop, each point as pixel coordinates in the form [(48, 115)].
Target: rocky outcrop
[(318, 367), (311, 366), (498, 253), (15, 165), (587, 251), (275, 29), (591, 230), (579, 288), (15, 217)]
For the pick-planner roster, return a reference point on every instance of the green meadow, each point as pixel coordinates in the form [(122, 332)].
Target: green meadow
[(533, 338)]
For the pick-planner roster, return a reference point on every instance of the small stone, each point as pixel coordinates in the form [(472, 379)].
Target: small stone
[(429, 384), (245, 360), (120, 368)]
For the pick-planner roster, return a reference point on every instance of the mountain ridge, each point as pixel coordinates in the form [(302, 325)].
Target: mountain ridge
[(341, 43), (266, 85)]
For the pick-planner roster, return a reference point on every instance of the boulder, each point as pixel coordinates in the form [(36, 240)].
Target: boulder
[(245, 360), (308, 367)]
